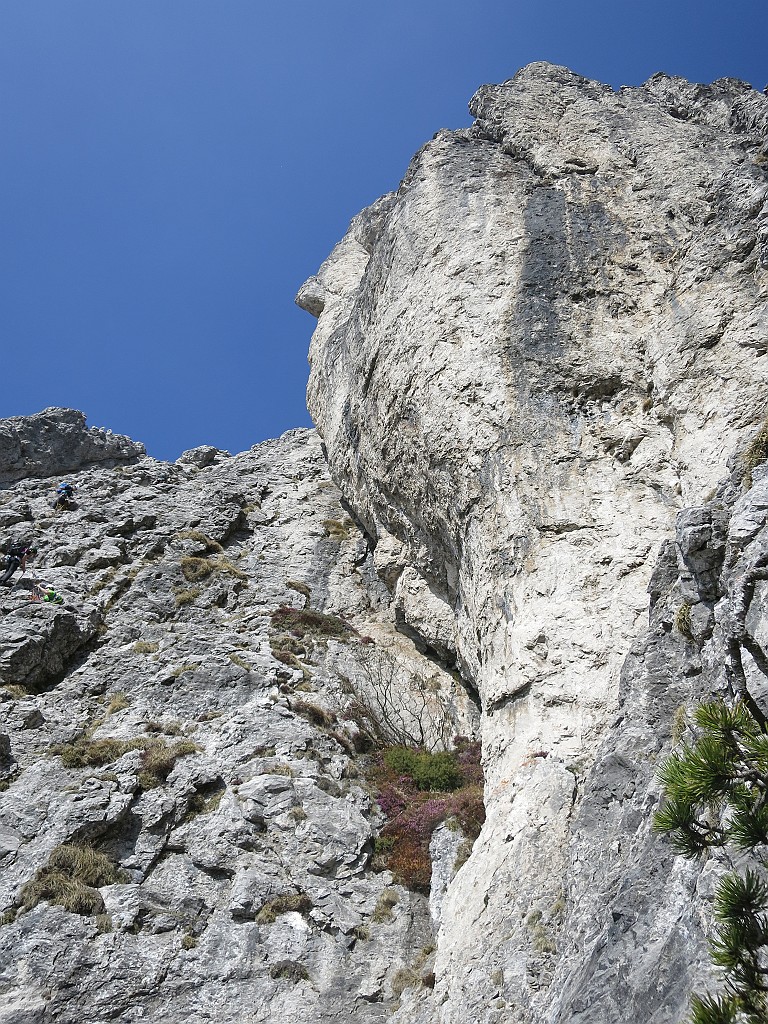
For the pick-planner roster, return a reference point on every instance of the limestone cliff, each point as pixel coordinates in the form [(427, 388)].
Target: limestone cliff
[(168, 720), (538, 377), (542, 349)]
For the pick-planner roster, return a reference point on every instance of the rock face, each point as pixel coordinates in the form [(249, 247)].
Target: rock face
[(543, 349), (538, 376), (55, 441), (162, 717)]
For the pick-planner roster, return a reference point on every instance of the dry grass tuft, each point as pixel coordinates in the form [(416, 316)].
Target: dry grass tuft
[(336, 529), (88, 753), (184, 597), (757, 452), (683, 620), (117, 702), (195, 569), (296, 902), (146, 647), (211, 546), (383, 911), (159, 759), (71, 879), (289, 970)]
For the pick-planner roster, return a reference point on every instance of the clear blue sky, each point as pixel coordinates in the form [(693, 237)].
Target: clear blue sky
[(172, 170)]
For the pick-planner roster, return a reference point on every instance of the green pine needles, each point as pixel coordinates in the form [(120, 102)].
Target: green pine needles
[(716, 795)]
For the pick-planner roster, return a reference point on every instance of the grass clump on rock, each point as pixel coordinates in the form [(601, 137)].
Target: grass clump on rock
[(159, 759), (683, 620), (290, 970), (304, 622), (206, 799), (313, 713), (186, 596), (195, 569), (757, 452), (71, 880), (382, 913), (297, 902), (404, 978), (300, 588), (211, 546), (146, 647), (16, 691), (117, 702), (336, 529), (88, 753)]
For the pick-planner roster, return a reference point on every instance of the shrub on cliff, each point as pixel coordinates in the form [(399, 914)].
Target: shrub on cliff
[(397, 707), (439, 771), (716, 791), (417, 792)]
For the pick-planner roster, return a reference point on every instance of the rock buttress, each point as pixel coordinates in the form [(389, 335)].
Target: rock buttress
[(547, 343)]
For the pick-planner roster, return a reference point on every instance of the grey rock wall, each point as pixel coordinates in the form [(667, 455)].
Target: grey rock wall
[(243, 886), (57, 441), (531, 361)]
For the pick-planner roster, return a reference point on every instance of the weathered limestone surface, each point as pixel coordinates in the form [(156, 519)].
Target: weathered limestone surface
[(548, 343), (55, 441), (270, 803)]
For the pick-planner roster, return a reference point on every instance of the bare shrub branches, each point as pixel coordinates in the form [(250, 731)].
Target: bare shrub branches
[(397, 707)]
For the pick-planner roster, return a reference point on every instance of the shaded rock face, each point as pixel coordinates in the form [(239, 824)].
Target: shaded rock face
[(533, 363), (160, 717), (55, 441)]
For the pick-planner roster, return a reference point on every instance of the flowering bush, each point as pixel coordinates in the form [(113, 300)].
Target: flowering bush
[(416, 793)]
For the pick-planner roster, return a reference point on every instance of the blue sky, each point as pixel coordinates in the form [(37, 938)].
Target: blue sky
[(172, 170)]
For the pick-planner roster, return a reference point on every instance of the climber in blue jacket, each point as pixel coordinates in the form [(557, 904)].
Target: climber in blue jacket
[(65, 493)]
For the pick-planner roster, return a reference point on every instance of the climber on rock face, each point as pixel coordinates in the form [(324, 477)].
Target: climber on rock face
[(65, 493), (46, 594), (16, 555)]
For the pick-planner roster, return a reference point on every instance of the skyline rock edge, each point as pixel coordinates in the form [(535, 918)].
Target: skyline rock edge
[(538, 378)]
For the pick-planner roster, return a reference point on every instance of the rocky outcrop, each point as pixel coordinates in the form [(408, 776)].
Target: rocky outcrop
[(56, 441), (528, 361), (538, 376)]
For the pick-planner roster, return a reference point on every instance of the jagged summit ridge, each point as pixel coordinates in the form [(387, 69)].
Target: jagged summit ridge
[(55, 441)]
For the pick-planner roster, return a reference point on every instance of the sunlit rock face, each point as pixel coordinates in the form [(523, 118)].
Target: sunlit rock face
[(57, 441), (162, 717), (529, 361), (538, 376)]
